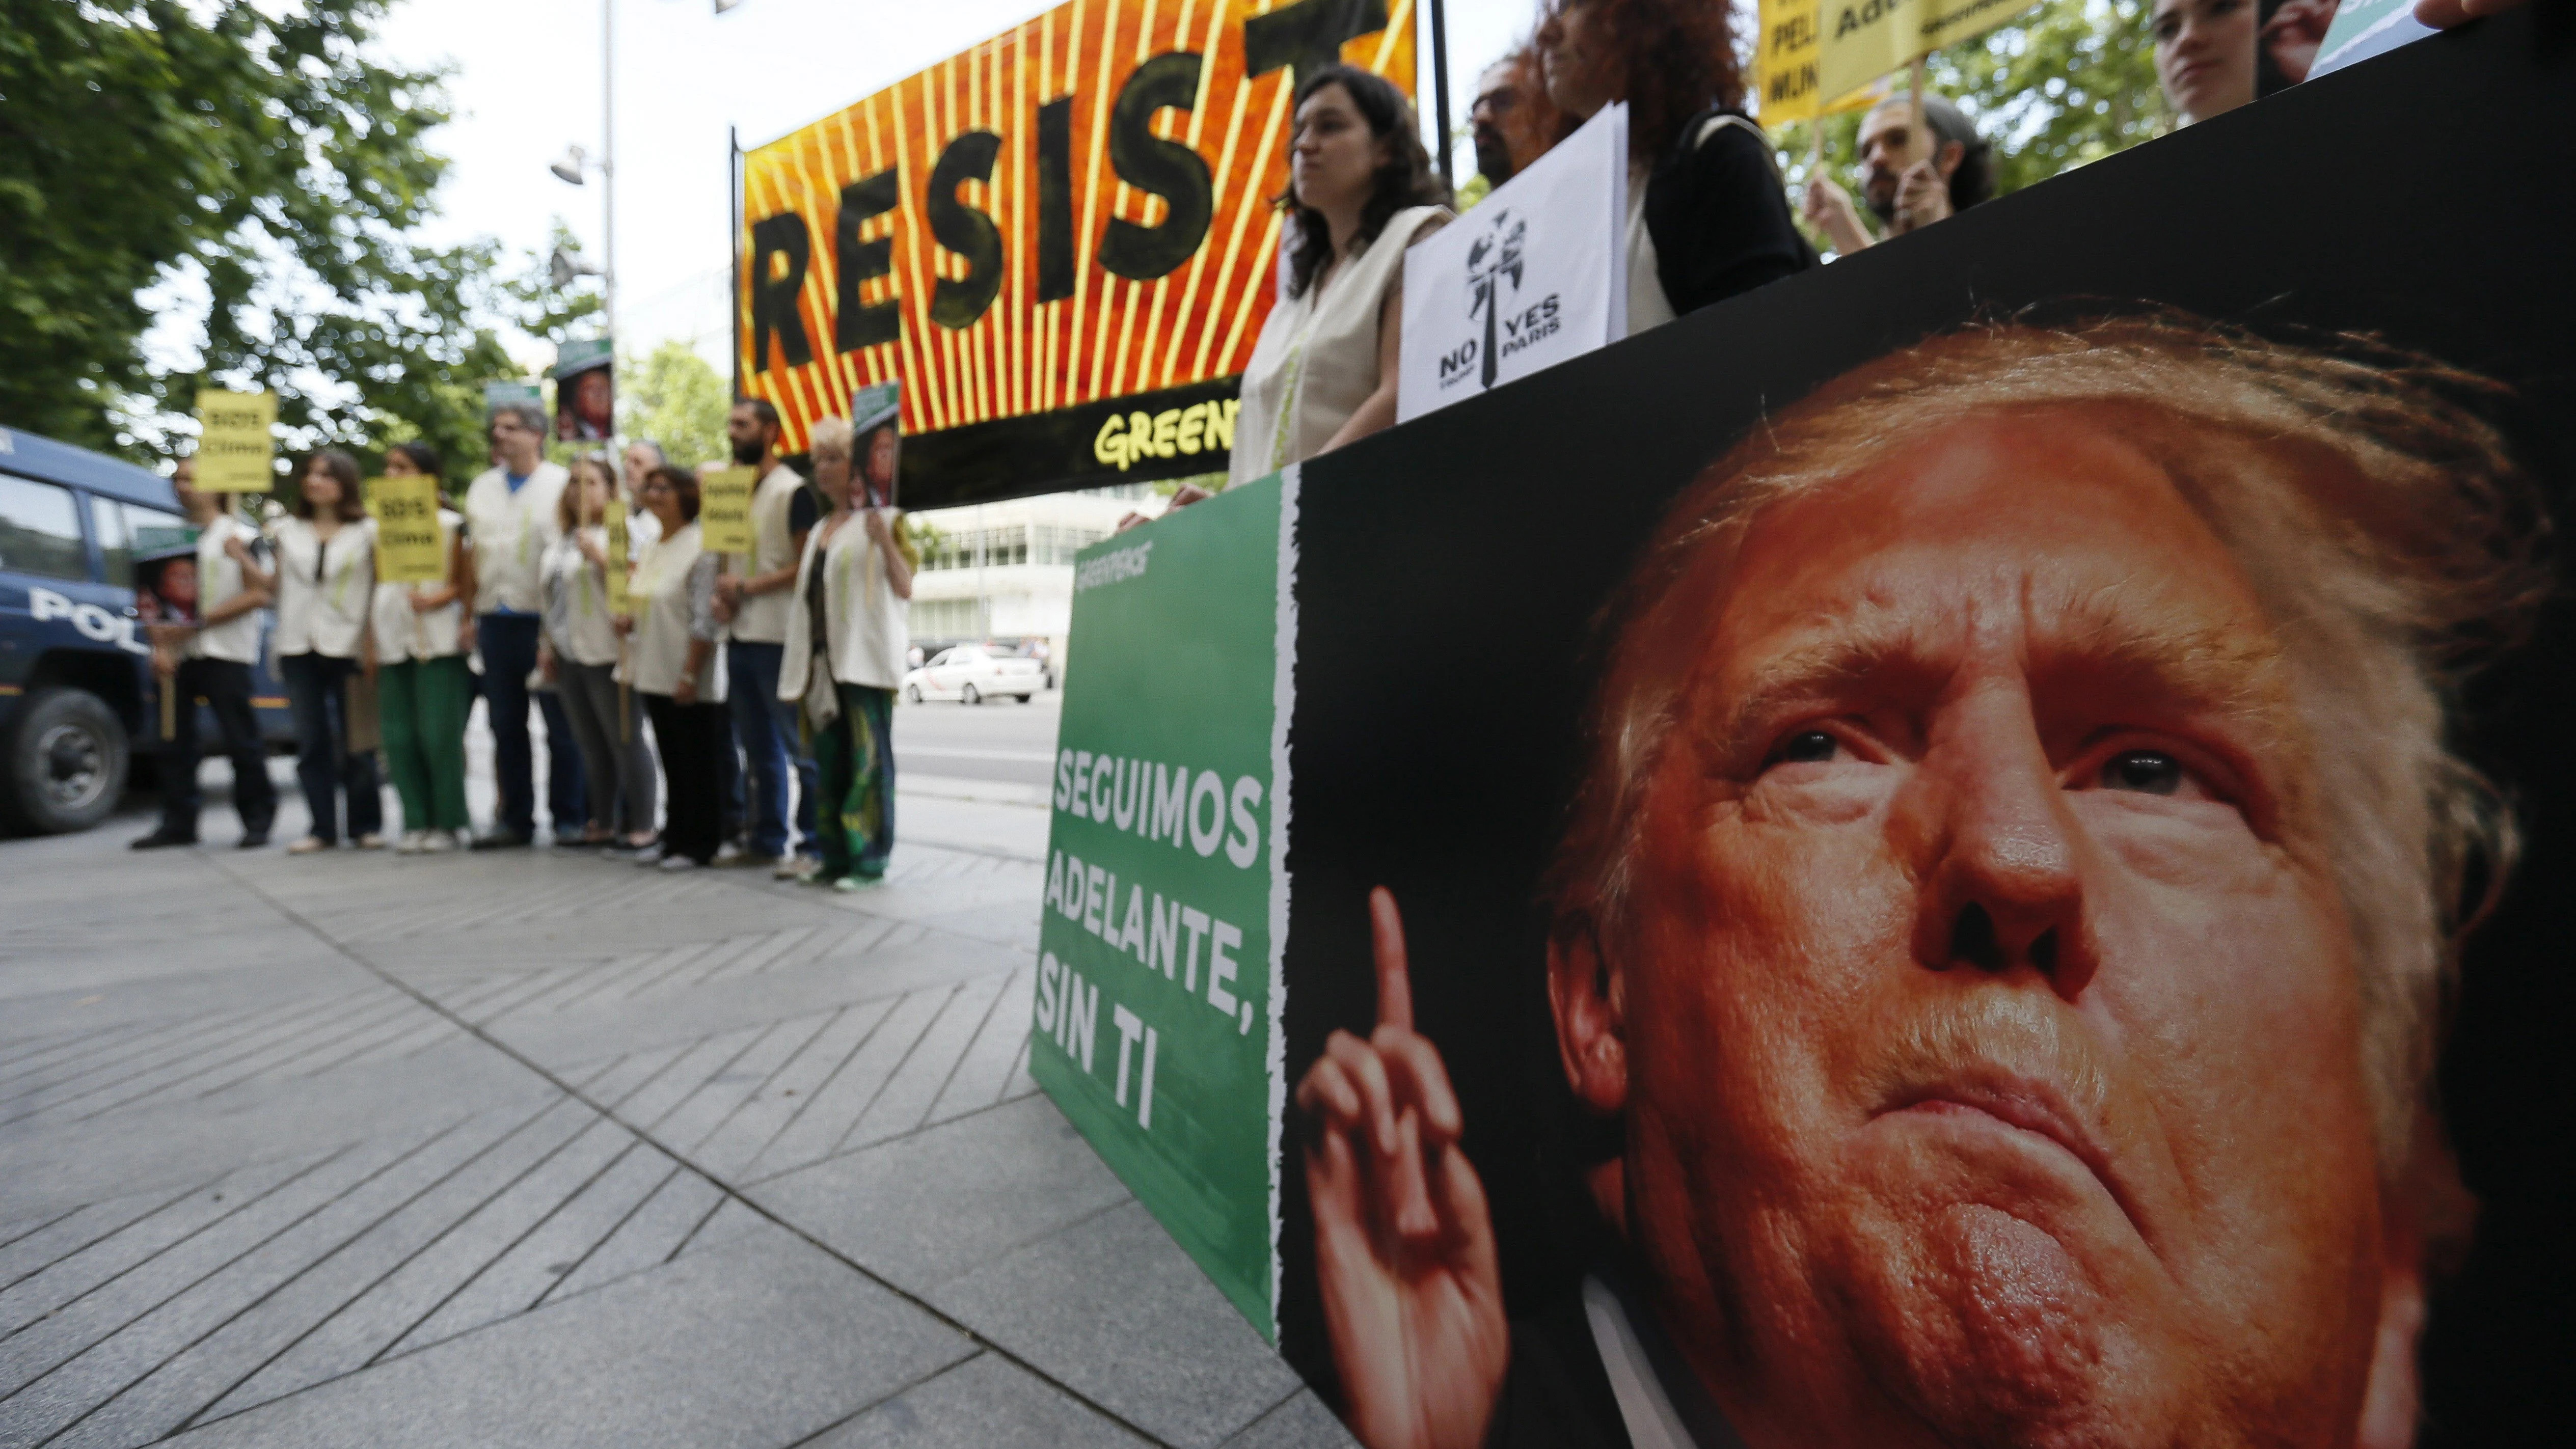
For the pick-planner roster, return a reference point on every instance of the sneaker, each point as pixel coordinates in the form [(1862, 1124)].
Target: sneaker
[(649, 857), (161, 840), (410, 842), (371, 841), (731, 854), (499, 837), (676, 862), (440, 842), (309, 845), (796, 867), (253, 839), (849, 883)]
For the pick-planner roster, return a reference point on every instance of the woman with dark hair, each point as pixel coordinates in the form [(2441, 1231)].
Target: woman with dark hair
[(326, 587), (1360, 190), (672, 660), (1707, 214), (424, 689)]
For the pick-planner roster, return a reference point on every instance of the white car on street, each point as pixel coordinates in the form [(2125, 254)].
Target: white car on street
[(971, 674)]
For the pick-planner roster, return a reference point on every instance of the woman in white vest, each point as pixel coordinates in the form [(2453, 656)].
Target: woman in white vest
[(1360, 190), (672, 660), (424, 689), (846, 641), (326, 589), (580, 658)]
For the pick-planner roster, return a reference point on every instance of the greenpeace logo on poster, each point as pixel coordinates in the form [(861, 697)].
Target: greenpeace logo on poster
[(1112, 568), (1535, 275)]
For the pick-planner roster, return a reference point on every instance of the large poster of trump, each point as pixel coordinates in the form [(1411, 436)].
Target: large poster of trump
[(1970, 849)]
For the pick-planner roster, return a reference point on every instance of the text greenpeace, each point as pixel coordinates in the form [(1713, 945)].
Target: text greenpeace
[(1110, 568)]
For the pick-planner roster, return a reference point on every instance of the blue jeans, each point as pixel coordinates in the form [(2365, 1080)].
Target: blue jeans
[(509, 646), (766, 726), (317, 691)]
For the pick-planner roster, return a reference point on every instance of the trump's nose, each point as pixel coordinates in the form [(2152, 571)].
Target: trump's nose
[(2002, 888)]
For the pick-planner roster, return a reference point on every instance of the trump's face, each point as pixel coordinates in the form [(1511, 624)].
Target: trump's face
[(1982, 1017)]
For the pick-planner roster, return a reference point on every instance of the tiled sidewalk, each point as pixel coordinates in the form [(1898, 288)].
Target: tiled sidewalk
[(533, 1150)]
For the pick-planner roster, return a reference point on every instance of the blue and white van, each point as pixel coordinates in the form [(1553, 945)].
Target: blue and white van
[(76, 686)]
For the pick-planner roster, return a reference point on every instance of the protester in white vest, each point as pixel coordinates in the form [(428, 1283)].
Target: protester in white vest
[(210, 658), (425, 690), (672, 660), (847, 636), (580, 659), (325, 645), (753, 598), (510, 514)]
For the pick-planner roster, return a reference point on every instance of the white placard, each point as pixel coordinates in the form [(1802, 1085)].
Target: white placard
[(1536, 274)]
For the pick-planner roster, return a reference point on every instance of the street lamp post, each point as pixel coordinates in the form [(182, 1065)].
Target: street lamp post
[(575, 162)]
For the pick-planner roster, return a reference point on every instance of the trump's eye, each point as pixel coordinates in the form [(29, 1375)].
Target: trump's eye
[(2150, 772), (1806, 747)]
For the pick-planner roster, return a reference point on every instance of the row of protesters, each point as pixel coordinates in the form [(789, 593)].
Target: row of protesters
[(579, 658), (846, 645), (1707, 215)]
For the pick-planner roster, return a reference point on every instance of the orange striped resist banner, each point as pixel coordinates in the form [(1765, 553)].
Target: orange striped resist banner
[(1061, 241)]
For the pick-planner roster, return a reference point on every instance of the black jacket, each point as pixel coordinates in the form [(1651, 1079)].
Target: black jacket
[(1717, 210)]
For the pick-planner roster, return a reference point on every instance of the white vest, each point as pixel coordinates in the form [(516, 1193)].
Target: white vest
[(869, 623), (403, 632), (218, 579), (324, 590), (658, 649), (577, 618), (762, 619), (1316, 360), (511, 532)]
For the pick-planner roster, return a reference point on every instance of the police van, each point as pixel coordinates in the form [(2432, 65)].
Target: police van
[(77, 699)]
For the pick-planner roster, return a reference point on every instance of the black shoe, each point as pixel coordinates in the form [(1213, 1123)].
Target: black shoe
[(161, 840), (500, 837), (254, 839)]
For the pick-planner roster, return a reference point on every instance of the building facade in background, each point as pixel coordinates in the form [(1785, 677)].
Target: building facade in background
[(1005, 570)]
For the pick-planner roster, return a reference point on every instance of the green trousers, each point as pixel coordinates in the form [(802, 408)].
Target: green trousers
[(423, 704), (855, 757)]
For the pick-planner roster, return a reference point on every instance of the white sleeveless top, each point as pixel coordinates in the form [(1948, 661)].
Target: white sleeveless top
[(404, 633), (870, 624), (576, 594), (659, 647), (1316, 361), (325, 591)]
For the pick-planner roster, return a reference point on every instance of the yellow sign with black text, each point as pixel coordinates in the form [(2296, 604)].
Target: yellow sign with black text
[(724, 510), (236, 442), (410, 546)]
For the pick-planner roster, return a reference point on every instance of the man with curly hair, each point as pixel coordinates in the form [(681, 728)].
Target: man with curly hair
[(2000, 929)]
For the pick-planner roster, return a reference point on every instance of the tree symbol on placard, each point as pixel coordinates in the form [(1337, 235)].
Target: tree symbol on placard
[(1495, 255)]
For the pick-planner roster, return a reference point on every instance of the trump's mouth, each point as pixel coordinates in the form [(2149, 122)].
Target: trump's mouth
[(2022, 1105)]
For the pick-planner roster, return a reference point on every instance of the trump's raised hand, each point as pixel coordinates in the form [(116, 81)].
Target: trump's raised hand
[(1404, 1241)]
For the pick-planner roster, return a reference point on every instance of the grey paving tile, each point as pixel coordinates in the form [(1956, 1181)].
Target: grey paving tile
[(733, 1148), (1114, 1310), (1303, 1422), (984, 1403), (923, 1209), (649, 1236), (840, 1102), (663, 1359), (905, 1102), (983, 1073)]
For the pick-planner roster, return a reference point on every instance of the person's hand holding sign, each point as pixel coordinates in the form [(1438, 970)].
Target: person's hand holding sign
[(1404, 1242)]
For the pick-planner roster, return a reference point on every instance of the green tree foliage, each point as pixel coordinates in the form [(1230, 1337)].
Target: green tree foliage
[(2073, 82), (676, 399), (254, 158)]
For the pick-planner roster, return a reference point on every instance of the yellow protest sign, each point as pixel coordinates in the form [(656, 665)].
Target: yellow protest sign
[(410, 546), (615, 521), (1860, 40), (724, 510), (236, 452)]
